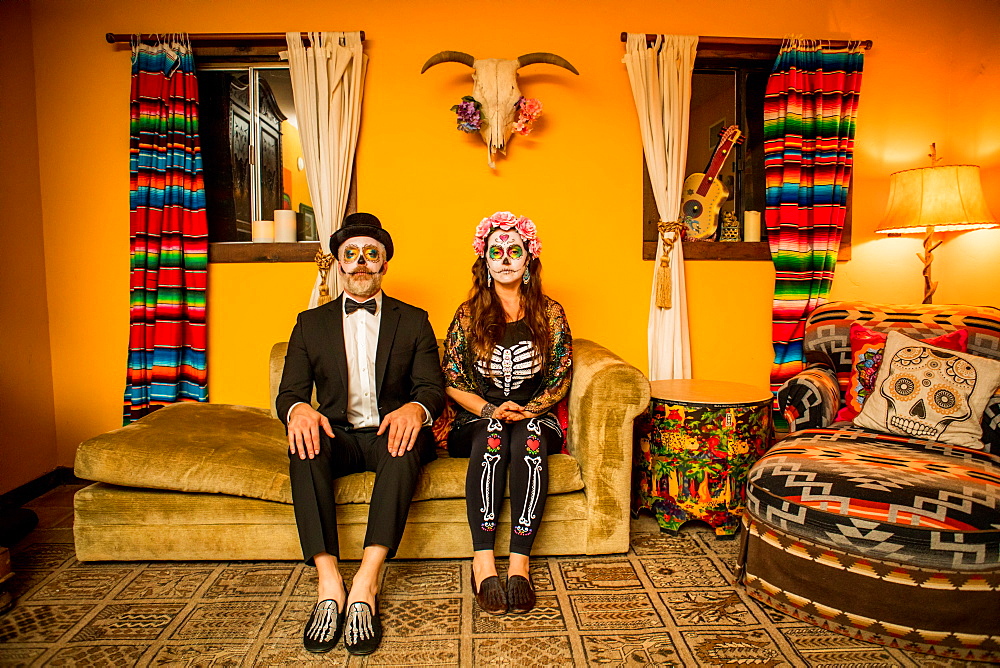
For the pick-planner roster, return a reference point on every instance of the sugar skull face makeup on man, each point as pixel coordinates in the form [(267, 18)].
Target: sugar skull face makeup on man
[(362, 264), (506, 257)]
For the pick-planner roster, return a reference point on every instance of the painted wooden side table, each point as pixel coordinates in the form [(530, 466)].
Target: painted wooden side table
[(693, 448)]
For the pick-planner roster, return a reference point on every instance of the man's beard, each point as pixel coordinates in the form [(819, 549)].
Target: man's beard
[(362, 283)]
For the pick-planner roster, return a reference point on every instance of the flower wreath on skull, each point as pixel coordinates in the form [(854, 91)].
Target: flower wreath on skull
[(927, 390)]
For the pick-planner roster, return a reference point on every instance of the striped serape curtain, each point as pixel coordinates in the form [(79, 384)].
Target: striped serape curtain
[(810, 109), (169, 233)]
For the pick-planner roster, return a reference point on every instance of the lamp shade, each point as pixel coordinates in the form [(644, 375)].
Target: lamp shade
[(941, 197)]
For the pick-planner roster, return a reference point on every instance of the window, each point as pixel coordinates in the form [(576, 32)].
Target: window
[(250, 148), (251, 153), (727, 88)]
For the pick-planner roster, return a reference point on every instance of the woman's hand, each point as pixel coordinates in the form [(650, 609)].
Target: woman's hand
[(509, 411)]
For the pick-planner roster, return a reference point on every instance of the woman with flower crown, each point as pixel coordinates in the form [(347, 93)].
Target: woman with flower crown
[(508, 362)]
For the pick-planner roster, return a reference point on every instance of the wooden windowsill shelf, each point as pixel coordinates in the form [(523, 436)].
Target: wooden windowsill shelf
[(726, 250), (735, 251), (245, 251), (715, 250)]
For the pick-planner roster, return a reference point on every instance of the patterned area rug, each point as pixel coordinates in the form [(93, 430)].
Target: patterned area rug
[(671, 601)]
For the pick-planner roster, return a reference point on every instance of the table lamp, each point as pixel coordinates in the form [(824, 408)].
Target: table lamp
[(926, 199)]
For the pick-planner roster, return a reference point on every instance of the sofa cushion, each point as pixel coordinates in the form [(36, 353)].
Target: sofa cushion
[(444, 478), (913, 501), (194, 447), (930, 392), (238, 450)]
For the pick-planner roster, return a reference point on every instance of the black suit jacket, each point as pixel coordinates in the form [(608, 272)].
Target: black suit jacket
[(407, 366)]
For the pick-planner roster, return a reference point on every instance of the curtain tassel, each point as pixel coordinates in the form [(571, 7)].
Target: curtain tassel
[(324, 261), (664, 284)]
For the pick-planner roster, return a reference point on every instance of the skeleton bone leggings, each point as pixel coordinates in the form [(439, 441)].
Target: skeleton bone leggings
[(495, 448)]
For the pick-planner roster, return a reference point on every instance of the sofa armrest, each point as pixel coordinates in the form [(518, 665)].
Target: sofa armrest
[(276, 365), (810, 399), (606, 396)]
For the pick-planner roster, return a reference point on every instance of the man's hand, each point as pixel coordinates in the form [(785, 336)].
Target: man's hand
[(404, 425), (303, 430)]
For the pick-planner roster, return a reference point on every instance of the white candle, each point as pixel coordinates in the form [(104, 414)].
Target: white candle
[(262, 231), (285, 226), (751, 226)]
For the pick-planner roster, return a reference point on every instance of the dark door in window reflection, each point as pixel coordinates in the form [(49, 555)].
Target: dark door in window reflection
[(230, 130)]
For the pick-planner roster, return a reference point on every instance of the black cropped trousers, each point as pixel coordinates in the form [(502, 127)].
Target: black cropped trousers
[(353, 451)]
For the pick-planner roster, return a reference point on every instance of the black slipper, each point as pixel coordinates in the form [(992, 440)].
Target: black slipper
[(323, 628), (363, 628), (520, 594), (491, 597)]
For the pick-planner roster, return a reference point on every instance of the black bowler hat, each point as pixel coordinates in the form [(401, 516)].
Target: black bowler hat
[(361, 225)]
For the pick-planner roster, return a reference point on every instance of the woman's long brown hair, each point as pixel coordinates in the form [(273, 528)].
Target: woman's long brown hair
[(489, 322)]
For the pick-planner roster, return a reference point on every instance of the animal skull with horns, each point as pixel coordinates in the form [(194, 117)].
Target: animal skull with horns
[(496, 90)]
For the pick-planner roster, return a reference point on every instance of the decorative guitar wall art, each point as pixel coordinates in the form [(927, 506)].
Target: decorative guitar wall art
[(703, 194)]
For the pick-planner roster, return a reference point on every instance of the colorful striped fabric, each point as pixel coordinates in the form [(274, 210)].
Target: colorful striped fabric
[(809, 117), (169, 234)]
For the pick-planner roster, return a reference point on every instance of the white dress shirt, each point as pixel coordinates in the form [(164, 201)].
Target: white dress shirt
[(361, 330), (361, 340)]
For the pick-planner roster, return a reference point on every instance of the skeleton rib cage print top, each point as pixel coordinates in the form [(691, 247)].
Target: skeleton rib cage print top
[(514, 371)]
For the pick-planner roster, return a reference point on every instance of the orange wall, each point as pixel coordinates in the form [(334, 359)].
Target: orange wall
[(291, 151), (27, 421), (932, 76)]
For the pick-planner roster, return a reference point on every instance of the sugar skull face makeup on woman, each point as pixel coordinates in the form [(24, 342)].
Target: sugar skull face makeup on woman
[(506, 257), (508, 248)]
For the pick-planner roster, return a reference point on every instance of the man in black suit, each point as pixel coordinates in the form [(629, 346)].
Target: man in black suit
[(374, 363)]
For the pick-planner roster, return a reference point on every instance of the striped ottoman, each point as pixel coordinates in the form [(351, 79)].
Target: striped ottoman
[(878, 537)]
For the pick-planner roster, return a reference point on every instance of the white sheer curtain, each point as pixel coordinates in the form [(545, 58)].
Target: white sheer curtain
[(661, 86), (328, 80)]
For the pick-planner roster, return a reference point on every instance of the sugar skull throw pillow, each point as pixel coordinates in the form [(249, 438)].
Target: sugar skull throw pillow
[(867, 347), (928, 392)]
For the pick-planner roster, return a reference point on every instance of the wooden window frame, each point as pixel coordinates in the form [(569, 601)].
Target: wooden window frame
[(245, 53), (743, 54)]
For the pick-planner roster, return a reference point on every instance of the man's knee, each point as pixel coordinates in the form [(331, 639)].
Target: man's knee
[(296, 462), (405, 460), (405, 466)]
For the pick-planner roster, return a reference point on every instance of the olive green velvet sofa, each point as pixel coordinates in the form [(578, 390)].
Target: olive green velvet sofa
[(210, 482)]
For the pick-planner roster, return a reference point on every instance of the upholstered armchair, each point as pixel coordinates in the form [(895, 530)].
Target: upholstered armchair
[(883, 537)]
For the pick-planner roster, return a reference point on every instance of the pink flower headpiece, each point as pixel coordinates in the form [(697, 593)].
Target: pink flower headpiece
[(505, 220)]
